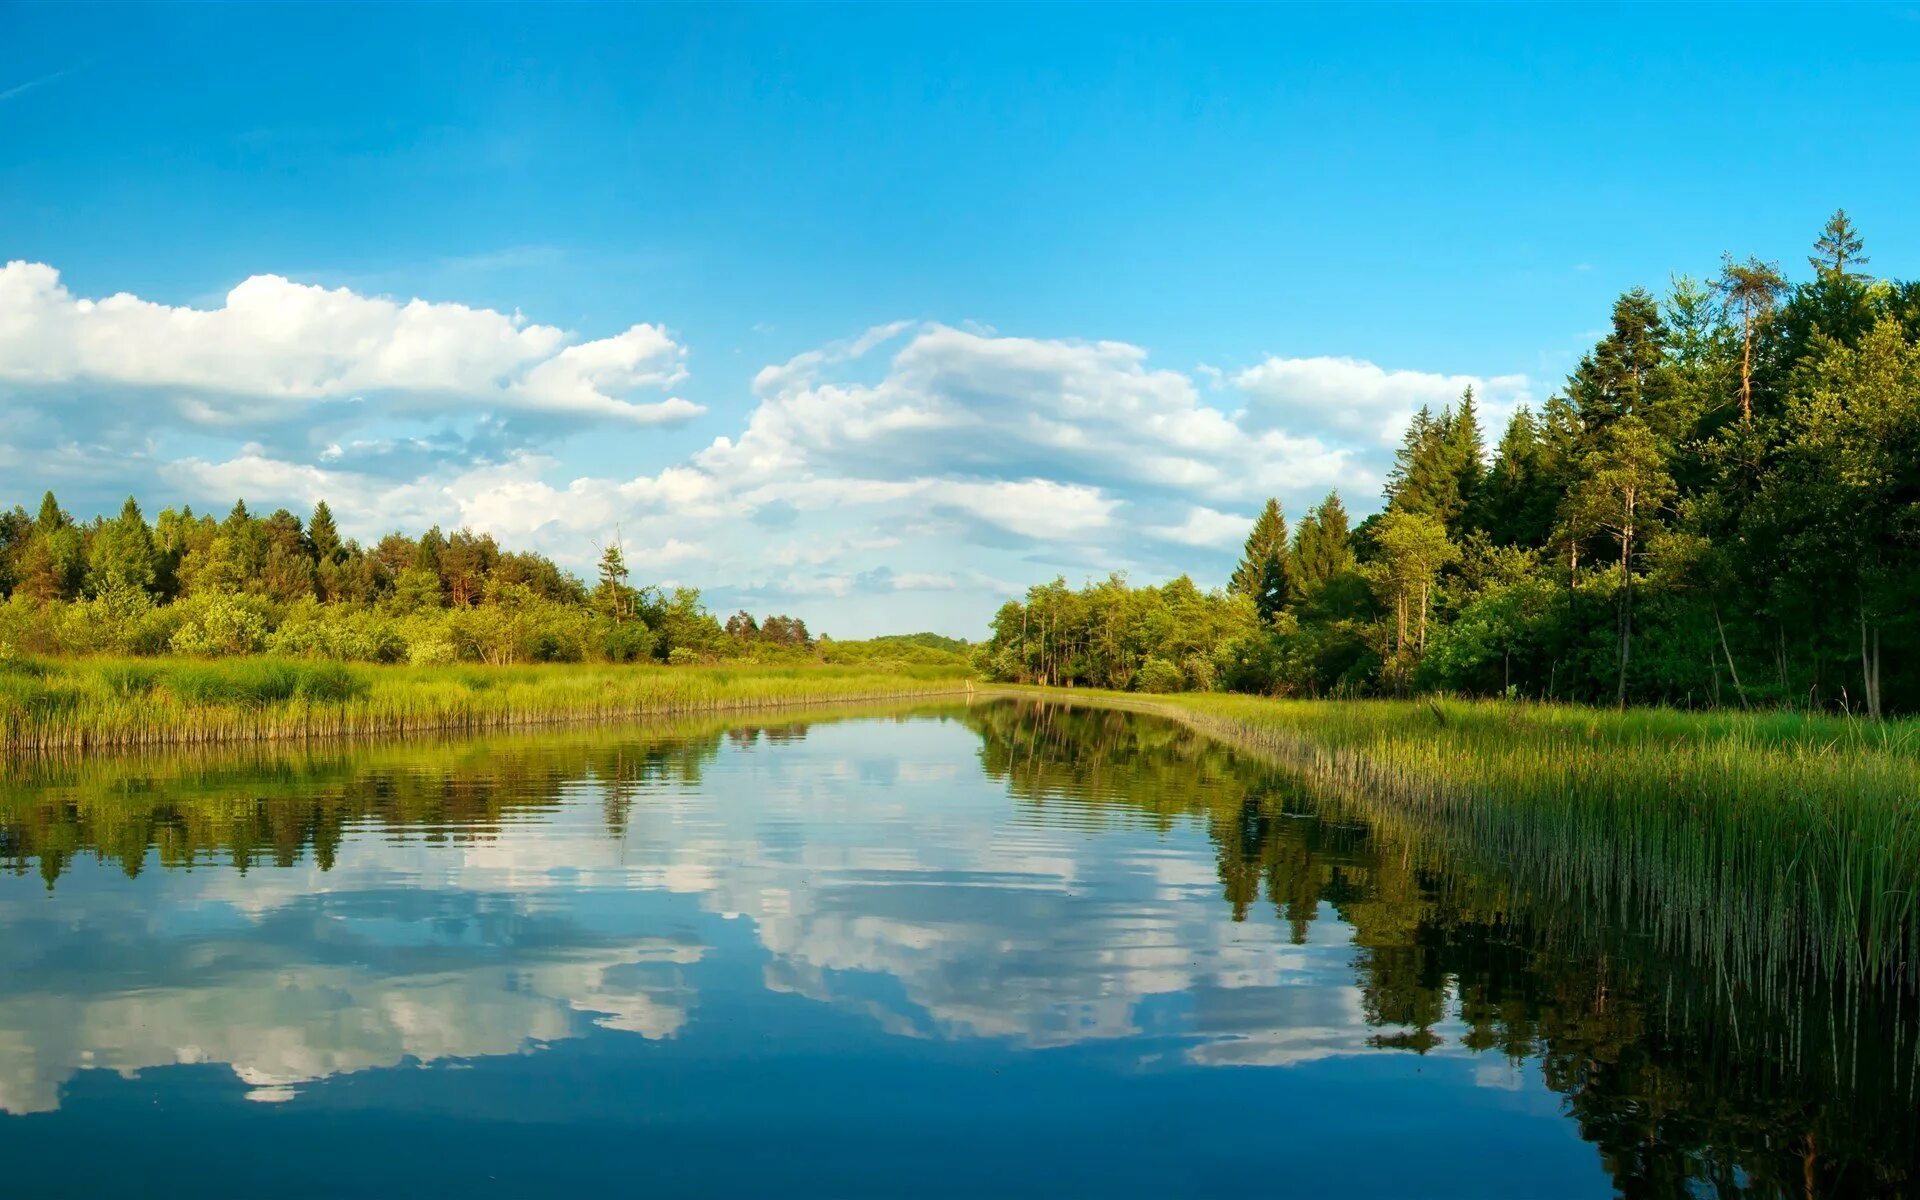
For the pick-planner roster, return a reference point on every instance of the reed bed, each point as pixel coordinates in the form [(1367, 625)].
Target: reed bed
[(1777, 851), (63, 707)]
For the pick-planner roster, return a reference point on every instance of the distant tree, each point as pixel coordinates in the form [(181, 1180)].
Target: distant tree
[(741, 626), (1466, 454)]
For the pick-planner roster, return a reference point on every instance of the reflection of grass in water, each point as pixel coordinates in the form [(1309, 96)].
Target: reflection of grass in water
[(276, 801), (75, 705), (1771, 847), (1686, 1080)]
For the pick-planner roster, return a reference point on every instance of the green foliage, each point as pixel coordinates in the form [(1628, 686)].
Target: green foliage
[(1110, 634), (1720, 507), (1264, 575)]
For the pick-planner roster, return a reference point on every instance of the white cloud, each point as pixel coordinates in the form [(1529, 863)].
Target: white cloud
[(275, 346), (1346, 398), (1205, 527)]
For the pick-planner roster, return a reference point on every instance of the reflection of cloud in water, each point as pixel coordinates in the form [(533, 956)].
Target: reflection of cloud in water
[(884, 875), (405, 952), (942, 911)]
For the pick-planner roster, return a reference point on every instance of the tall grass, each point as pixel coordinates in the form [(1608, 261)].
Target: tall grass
[(1776, 851), (79, 705)]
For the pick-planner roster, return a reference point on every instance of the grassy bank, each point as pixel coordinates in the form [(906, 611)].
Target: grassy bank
[(1773, 848), (60, 706)]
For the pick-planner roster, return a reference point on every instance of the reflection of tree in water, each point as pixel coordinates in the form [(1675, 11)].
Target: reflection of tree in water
[(275, 807), (1684, 1092)]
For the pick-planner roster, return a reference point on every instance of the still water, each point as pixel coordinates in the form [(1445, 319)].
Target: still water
[(990, 950)]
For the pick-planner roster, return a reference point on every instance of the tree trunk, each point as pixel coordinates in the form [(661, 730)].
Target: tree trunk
[(1626, 614), (1870, 663), (1746, 369), (1731, 669)]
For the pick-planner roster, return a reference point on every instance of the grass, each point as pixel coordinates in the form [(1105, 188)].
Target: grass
[(1773, 849), (80, 705)]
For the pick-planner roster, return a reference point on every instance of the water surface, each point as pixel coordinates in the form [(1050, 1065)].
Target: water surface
[(997, 950)]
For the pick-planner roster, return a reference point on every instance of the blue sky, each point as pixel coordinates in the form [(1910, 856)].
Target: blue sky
[(1129, 269)]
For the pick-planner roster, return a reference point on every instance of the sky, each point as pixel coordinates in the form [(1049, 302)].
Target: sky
[(875, 315)]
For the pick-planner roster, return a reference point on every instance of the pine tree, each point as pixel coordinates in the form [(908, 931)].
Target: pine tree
[(1517, 499), (51, 516), (1465, 457), (1839, 247), (1621, 376), (1262, 574), (1322, 545), (1752, 288), (323, 536), (123, 557), (613, 579)]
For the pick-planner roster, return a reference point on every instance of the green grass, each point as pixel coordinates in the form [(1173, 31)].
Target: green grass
[(1774, 849), (69, 706)]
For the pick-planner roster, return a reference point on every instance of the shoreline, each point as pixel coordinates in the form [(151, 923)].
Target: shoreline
[(64, 719)]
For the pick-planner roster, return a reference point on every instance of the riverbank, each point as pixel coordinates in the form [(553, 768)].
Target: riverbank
[(1773, 846), (67, 706)]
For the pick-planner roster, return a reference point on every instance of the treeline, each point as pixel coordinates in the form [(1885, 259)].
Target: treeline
[(189, 583), (1721, 506)]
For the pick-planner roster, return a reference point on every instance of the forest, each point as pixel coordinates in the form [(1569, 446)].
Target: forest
[(1720, 507), (245, 584)]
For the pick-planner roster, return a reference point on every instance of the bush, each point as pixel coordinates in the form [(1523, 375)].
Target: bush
[(353, 635), (218, 624), (627, 641), (1158, 675)]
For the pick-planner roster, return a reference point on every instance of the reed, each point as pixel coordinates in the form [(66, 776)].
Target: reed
[(56, 707), (1776, 851)]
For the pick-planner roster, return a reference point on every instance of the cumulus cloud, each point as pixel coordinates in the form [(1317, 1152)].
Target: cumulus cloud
[(1353, 398), (274, 347), (1205, 527)]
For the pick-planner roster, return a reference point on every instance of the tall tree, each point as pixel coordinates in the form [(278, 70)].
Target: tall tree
[(324, 536), (1751, 288), (1262, 575), (1466, 455), (1322, 545), (1621, 376), (613, 579), (1626, 482)]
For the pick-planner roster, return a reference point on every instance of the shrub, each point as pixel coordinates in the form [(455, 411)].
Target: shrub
[(221, 623), (1158, 675)]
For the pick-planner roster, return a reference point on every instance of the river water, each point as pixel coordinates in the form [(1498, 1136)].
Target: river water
[(1001, 949)]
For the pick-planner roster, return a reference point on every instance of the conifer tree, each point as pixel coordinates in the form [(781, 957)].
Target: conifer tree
[(324, 536), (1322, 545), (1839, 247), (123, 558), (1751, 288), (1262, 575)]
